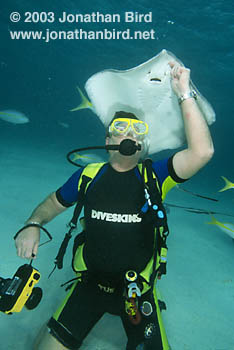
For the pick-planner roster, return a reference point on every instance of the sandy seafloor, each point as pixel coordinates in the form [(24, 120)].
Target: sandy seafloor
[(198, 288)]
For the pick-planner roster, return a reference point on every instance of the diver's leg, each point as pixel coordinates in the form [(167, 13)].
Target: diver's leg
[(46, 341), (150, 330), (158, 333), (73, 320)]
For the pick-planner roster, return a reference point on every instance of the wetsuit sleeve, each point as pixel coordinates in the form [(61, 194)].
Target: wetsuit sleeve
[(67, 194), (166, 175)]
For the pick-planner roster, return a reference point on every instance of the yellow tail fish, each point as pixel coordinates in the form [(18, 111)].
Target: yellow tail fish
[(79, 156), (228, 184), (226, 227), (85, 103)]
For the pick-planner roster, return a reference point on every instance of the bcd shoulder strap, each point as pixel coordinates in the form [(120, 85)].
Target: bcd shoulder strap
[(86, 177), (154, 205)]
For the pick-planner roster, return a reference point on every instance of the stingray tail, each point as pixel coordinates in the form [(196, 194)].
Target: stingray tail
[(228, 184), (85, 103)]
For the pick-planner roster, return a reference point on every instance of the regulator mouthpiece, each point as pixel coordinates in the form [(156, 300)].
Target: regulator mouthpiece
[(127, 147)]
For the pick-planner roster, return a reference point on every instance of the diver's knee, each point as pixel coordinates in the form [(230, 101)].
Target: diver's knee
[(48, 342), (39, 337), (45, 341)]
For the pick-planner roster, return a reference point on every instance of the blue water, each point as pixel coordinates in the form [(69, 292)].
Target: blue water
[(40, 79)]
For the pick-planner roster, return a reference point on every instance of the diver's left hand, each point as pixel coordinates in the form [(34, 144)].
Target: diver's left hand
[(180, 77)]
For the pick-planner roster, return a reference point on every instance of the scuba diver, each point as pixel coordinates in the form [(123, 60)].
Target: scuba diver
[(121, 252)]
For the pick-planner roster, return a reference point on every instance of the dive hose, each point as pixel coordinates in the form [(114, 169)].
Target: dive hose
[(127, 147)]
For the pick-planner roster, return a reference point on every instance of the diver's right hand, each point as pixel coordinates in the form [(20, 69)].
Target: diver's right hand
[(27, 242)]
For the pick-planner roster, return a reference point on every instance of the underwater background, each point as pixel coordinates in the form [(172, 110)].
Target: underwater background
[(39, 79)]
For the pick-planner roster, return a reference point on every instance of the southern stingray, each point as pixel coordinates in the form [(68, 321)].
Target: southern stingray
[(146, 91)]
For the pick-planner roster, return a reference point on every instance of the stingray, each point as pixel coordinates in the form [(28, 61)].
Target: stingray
[(145, 91)]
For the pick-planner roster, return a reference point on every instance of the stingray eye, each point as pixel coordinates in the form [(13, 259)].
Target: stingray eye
[(156, 79)]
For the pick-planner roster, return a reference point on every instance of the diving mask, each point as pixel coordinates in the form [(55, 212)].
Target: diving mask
[(124, 126)]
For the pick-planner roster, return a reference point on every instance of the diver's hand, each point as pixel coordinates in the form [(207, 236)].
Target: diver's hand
[(180, 77), (27, 242)]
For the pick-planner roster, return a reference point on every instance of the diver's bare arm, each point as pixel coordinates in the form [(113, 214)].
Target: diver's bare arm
[(199, 143), (47, 210), (27, 241)]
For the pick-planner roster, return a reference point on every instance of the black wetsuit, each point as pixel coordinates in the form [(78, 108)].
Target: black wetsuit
[(117, 239)]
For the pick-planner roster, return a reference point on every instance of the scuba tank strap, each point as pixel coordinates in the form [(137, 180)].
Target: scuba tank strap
[(72, 224)]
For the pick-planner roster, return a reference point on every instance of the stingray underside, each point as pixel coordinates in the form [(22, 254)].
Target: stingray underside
[(145, 91)]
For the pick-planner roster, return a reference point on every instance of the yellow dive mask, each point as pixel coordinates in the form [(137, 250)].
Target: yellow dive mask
[(124, 126)]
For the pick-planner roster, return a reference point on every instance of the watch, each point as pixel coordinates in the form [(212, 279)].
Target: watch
[(190, 94)]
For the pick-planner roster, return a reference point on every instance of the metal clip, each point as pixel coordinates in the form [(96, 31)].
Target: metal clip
[(133, 290)]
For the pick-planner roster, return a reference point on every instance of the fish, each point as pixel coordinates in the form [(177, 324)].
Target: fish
[(228, 184), (226, 227), (85, 103), (146, 91), (14, 117), (77, 156), (90, 158), (64, 125)]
